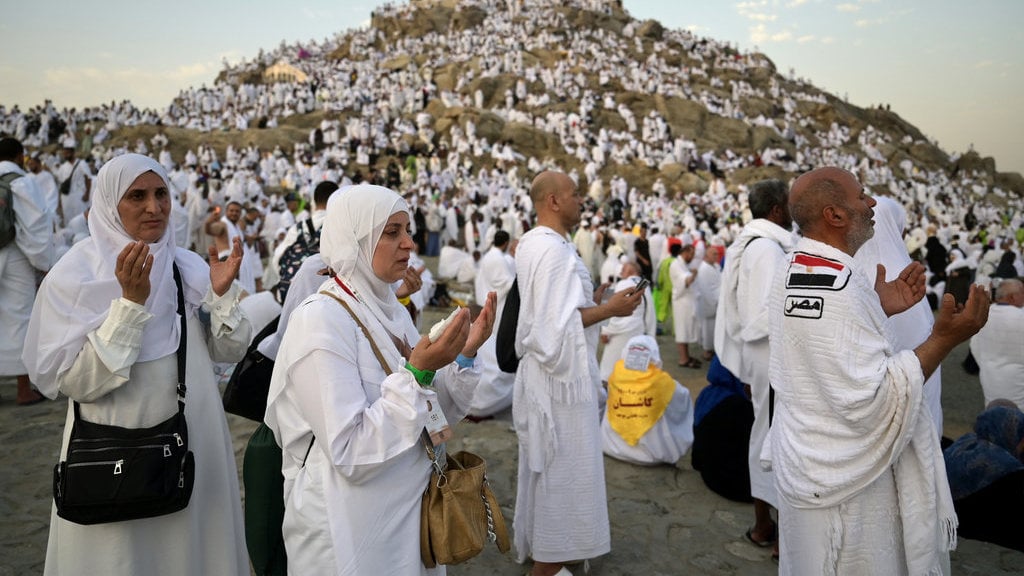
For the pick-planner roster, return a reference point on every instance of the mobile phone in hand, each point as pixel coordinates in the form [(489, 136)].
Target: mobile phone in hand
[(640, 287)]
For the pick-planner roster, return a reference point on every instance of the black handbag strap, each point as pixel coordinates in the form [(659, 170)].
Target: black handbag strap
[(182, 345), (182, 339)]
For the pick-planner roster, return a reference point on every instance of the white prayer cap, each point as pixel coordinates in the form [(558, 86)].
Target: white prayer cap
[(69, 142)]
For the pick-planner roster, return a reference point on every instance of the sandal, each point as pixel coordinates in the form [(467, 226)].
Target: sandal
[(691, 363), (763, 543)]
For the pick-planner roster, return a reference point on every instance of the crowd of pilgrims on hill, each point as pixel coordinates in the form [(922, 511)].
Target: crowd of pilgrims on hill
[(385, 113)]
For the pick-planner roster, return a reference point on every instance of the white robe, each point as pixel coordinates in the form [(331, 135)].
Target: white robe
[(246, 278), (561, 506), (999, 349), (684, 302), (708, 285), (856, 457), (30, 250), (666, 442), (208, 536), (620, 329), (742, 326), (494, 394), (354, 507), (910, 327)]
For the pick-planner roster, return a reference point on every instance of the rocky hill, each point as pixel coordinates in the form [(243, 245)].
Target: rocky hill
[(717, 100)]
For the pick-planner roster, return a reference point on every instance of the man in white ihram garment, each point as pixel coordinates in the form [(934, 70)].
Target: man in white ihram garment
[(752, 262), (999, 346), (860, 476), (21, 259), (224, 230), (561, 510), (497, 272)]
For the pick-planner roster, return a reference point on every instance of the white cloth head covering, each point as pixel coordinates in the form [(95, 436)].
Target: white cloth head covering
[(355, 220), (640, 351), (76, 295)]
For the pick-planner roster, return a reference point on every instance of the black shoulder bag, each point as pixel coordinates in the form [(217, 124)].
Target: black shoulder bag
[(246, 391), (505, 340), (112, 474)]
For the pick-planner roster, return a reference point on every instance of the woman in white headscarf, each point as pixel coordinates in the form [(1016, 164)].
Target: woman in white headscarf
[(104, 332), (355, 465)]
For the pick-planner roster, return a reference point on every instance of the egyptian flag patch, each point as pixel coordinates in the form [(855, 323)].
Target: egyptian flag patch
[(816, 273)]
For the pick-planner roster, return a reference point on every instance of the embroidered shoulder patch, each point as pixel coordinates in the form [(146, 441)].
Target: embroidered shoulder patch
[(816, 273), (799, 306)]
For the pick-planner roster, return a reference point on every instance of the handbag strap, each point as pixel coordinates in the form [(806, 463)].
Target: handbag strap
[(431, 454), (366, 332), (182, 345), (182, 339)]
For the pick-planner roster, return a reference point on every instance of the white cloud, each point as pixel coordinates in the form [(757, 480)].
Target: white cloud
[(796, 3), (760, 34), (863, 23), (805, 39), (755, 11), (828, 40), (848, 8)]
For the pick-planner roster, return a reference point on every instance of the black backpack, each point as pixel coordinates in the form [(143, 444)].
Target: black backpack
[(7, 208), (294, 255), (505, 341)]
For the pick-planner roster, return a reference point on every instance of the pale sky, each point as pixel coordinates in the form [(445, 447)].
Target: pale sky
[(954, 69)]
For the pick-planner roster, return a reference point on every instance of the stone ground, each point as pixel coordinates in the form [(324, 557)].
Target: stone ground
[(663, 519)]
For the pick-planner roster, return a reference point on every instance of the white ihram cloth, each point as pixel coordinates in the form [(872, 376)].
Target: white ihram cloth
[(620, 329), (117, 359), (911, 327), (494, 394), (561, 508), (742, 325), (684, 302), (354, 507), (999, 349), (856, 458), (246, 277), (30, 250), (709, 286)]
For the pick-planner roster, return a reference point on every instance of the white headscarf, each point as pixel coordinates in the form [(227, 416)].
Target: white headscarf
[(75, 297), (640, 351), (355, 220)]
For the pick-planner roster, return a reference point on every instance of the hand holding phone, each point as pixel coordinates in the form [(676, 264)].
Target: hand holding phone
[(640, 287)]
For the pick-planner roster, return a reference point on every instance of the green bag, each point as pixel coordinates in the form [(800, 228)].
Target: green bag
[(264, 504)]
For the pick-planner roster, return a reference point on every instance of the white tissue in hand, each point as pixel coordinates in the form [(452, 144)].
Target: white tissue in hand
[(437, 329)]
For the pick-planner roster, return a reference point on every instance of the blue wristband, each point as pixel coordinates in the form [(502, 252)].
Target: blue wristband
[(464, 362)]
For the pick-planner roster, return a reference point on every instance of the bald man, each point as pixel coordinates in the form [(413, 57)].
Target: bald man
[(561, 509), (860, 478), (999, 347)]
